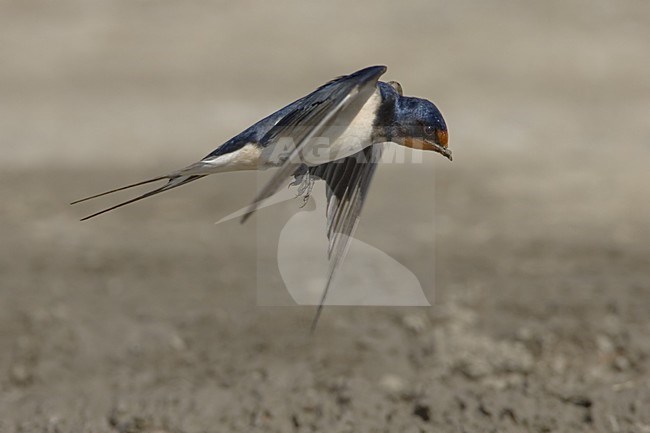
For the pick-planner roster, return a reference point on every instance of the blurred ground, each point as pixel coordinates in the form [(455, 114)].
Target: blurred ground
[(146, 320)]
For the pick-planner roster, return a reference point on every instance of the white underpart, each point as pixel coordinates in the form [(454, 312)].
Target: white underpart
[(246, 158), (350, 132)]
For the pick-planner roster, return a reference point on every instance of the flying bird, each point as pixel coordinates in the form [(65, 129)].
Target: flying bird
[(336, 134)]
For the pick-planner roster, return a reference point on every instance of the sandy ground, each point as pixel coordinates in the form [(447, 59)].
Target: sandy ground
[(147, 320)]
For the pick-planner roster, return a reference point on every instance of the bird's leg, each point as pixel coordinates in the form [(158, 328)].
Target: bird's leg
[(305, 183)]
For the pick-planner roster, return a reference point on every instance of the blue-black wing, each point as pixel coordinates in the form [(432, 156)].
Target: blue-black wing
[(285, 142), (348, 181)]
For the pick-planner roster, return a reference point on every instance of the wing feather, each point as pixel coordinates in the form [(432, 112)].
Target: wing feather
[(348, 181), (285, 143)]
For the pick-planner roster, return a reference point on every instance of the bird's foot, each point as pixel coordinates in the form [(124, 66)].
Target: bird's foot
[(305, 184)]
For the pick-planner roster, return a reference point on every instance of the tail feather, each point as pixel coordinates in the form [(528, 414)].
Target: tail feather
[(144, 182), (171, 184)]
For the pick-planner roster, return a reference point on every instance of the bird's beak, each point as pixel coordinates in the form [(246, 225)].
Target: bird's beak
[(439, 144)]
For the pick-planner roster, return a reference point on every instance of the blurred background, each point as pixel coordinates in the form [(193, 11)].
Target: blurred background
[(146, 320)]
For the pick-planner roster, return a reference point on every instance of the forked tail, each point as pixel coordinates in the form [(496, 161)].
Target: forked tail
[(174, 180)]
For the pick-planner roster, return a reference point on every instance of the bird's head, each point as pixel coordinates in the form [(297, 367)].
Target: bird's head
[(420, 125), (415, 122)]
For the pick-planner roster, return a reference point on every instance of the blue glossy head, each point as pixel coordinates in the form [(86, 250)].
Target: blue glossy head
[(420, 125)]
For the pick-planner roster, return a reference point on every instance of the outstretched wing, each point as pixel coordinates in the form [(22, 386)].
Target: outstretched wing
[(347, 180), (289, 138)]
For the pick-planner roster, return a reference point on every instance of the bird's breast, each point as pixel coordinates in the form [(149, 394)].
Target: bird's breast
[(349, 133)]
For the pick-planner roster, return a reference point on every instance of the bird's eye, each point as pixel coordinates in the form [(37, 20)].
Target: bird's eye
[(429, 130)]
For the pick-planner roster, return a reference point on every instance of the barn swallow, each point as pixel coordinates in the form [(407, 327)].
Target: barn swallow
[(336, 134)]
